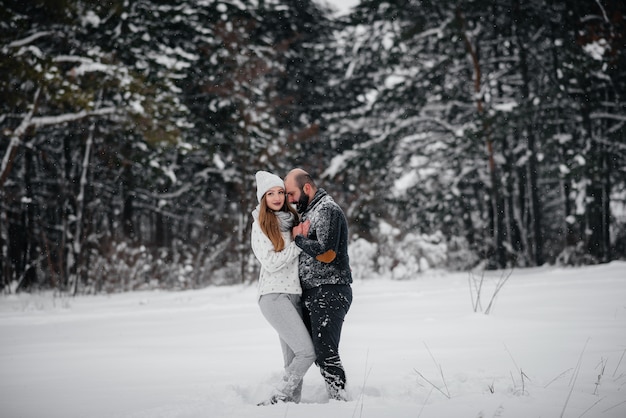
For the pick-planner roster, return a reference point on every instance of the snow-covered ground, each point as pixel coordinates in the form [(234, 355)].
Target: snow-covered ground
[(552, 346)]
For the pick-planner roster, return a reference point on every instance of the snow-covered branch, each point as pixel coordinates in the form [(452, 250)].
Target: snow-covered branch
[(28, 39), (16, 137), (73, 58), (167, 196), (69, 117), (604, 115), (340, 161), (621, 119), (35, 122)]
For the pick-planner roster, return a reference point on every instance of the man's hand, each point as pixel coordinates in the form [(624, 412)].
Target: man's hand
[(301, 229)]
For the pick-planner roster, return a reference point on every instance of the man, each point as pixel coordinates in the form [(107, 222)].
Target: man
[(324, 271)]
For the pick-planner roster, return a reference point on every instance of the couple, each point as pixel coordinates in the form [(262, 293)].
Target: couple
[(304, 284)]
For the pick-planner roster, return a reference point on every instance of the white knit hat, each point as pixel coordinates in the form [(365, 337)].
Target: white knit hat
[(265, 181)]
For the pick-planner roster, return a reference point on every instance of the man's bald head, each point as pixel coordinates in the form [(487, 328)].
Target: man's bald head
[(300, 188), (300, 177)]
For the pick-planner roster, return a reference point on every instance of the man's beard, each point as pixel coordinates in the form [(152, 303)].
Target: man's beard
[(302, 203)]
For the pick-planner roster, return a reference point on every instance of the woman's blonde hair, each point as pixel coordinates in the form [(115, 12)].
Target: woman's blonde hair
[(268, 221)]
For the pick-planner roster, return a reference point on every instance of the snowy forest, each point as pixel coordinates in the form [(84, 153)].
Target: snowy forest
[(455, 134)]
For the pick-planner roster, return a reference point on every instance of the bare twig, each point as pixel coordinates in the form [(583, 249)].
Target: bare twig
[(503, 279), (512, 359), (614, 406), (574, 378), (588, 409), (523, 375), (556, 378), (425, 402), (476, 288), (443, 379), (602, 365), (360, 399), (619, 362), (432, 384)]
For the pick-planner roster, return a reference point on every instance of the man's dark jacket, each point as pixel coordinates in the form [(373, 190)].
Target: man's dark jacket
[(324, 258)]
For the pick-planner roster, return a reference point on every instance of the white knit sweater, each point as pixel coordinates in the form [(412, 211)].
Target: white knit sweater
[(279, 270)]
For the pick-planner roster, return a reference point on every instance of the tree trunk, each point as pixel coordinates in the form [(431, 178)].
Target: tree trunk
[(159, 229), (606, 206), (77, 245), (536, 240), (4, 272), (496, 213), (127, 187), (596, 217), (512, 226)]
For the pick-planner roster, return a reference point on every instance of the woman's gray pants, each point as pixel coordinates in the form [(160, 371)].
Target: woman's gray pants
[(284, 313)]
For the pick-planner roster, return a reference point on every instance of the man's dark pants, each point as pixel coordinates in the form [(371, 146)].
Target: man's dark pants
[(324, 309)]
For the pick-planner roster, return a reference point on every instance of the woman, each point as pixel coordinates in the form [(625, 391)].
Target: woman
[(279, 286)]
